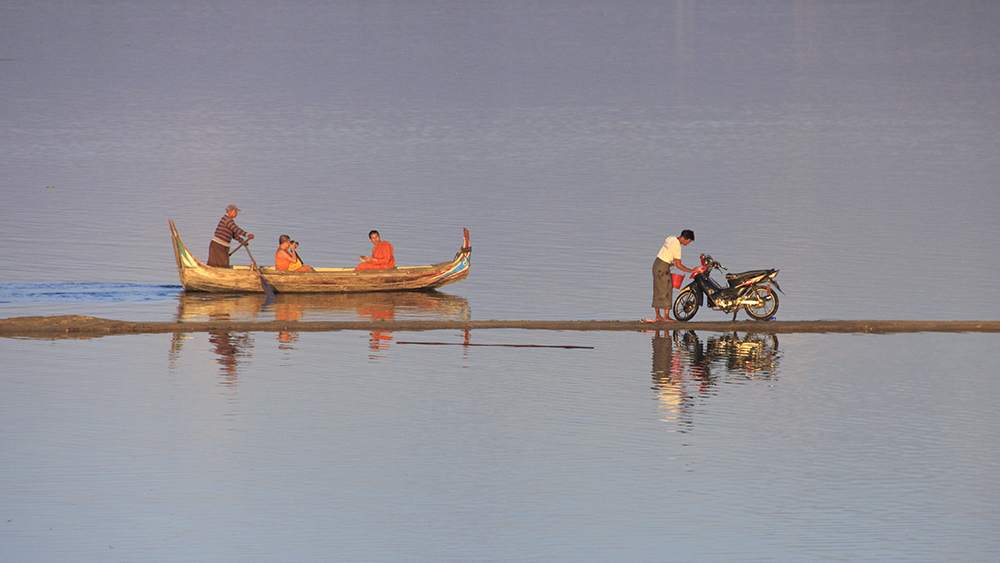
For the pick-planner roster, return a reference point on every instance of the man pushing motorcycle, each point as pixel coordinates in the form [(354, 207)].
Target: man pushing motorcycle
[(668, 257)]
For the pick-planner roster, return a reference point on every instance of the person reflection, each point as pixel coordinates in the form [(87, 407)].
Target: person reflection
[(291, 312), (680, 376), (176, 346), (378, 340), (229, 348)]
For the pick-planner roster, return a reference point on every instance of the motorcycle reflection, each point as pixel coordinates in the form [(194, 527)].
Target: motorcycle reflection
[(686, 370)]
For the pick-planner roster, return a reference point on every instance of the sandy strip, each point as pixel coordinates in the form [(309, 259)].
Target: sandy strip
[(75, 326)]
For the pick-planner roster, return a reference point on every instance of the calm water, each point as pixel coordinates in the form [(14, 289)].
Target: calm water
[(853, 145), (363, 447)]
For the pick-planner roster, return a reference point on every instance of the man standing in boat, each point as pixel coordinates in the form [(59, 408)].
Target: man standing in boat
[(218, 249)]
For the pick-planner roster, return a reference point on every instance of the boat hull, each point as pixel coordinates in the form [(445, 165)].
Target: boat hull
[(197, 276)]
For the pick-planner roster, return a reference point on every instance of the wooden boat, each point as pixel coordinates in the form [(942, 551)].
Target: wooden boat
[(197, 276)]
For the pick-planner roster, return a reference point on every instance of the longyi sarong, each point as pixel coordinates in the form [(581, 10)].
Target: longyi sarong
[(663, 287), (218, 255)]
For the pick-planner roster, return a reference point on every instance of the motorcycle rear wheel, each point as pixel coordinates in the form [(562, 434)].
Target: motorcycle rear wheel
[(686, 305), (768, 305)]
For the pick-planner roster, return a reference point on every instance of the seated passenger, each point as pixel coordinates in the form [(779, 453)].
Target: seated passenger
[(381, 258), (285, 258)]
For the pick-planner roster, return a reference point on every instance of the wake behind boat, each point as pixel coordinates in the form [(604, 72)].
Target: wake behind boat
[(197, 276)]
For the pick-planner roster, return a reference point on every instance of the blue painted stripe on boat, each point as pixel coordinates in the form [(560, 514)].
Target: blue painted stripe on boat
[(461, 267)]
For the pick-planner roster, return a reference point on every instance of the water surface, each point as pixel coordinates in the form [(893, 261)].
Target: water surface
[(853, 145), (707, 447)]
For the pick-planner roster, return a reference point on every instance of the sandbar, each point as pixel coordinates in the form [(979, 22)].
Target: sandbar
[(78, 326)]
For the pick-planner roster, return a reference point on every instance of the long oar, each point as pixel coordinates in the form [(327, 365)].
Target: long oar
[(263, 283), (239, 247)]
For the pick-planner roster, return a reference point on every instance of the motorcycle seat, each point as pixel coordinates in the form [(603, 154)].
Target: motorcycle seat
[(737, 279)]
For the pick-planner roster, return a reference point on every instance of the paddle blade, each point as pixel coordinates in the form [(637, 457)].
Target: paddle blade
[(268, 290)]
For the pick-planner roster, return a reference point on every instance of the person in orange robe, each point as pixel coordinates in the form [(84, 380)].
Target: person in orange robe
[(381, 258), (285, 258)]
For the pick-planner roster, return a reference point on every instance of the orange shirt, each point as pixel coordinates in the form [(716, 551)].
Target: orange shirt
[(284, 261), (382, 253)]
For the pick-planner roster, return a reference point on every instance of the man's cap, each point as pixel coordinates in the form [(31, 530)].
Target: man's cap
[(231, 207)]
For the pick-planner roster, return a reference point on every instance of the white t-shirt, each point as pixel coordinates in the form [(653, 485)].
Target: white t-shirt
[(671, 249)]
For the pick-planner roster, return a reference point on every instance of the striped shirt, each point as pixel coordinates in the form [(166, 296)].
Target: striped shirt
[(227, 231)]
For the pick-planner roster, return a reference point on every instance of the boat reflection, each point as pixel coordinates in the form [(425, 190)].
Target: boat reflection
[(403, 305), (686, 370), (233, 348)]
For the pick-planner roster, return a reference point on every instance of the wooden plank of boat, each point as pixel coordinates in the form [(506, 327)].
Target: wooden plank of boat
[(197, 276)]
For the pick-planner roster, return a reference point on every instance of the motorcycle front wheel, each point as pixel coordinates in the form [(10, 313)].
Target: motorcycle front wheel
[(686, 305), (766, 305)]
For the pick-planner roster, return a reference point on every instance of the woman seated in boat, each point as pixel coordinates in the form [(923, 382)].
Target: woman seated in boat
[(286, 258), (381, 258)]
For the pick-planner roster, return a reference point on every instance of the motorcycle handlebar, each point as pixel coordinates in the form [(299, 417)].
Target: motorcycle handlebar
[(715, 264), (708, 262)]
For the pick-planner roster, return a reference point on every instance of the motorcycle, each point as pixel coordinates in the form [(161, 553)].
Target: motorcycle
[(748, 290)]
